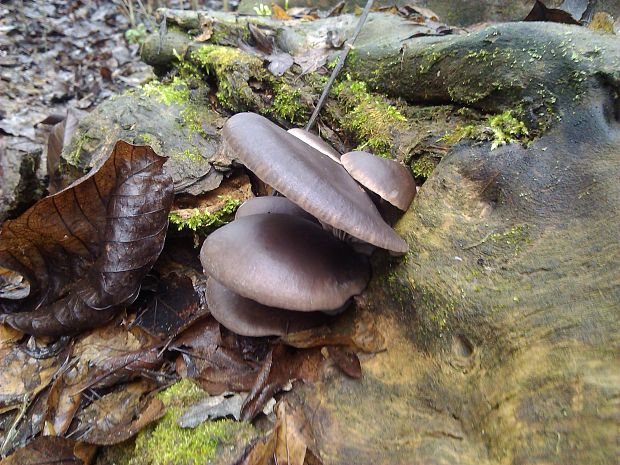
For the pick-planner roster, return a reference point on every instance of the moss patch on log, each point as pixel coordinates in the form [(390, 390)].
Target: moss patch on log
[(371, 119), (204, 220), (233, 69)]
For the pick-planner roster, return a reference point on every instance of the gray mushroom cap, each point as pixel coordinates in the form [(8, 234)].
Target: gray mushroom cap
[(315, 141), (308, 178), (387, 178), (284, 261), (271, 204), (249, 318)]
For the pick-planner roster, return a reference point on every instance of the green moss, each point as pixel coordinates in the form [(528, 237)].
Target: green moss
[(204, 220), (428, 60), (232, 68), (168, 444), (181, 393), (287, 103), (423, 166), (369, 117), (500, 129), (173, 92), (74, 156), (506, 129)]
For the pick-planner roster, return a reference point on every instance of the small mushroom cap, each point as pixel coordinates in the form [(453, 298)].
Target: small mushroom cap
[(387, 178), (284, 261), (315, 141), (249, 318), (271, 204), (308, 178)]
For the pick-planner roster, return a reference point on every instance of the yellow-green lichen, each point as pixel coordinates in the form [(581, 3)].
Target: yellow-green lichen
[(205, 220), (168, 444), (147, 138), (369, 117)]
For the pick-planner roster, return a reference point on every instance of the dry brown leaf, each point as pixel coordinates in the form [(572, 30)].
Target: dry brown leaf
[(59, 138), (47, 450), (8, 337), (86, 249), (291, 442), (346, 360), (119, 415), (540, 12), (279, 13), (112, 354), (282, 366), (22, 377)]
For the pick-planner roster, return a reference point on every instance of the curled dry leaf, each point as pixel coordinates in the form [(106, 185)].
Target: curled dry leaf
[(567, 13), (291, 441), (46, 450), (217, 363), (282, 365), (86, 249), (346, 360), (119, 415), (212, 408)]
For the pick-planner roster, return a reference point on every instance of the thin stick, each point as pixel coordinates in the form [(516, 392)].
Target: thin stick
[(343, 56)]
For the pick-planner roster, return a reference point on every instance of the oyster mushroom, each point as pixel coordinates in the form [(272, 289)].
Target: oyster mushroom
[(387, 178), (271, 204), (249, 318), (284, 261), (316, 142), (308, 178)]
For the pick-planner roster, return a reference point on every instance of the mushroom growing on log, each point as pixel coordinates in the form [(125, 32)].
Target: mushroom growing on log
[(284, 261), (250, 318), (309, 178)]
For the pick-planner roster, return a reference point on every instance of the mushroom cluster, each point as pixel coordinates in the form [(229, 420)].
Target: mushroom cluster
[(286, 261)]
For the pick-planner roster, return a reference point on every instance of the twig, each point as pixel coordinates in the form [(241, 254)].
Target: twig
[(343, 56)]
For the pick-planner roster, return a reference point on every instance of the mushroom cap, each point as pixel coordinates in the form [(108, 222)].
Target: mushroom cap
[(284, 261), (271, 204), (308, 178), (315, 141), (249, 318), (387, 178)]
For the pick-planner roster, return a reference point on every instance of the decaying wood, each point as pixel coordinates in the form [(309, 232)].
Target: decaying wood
[(502, 321)]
